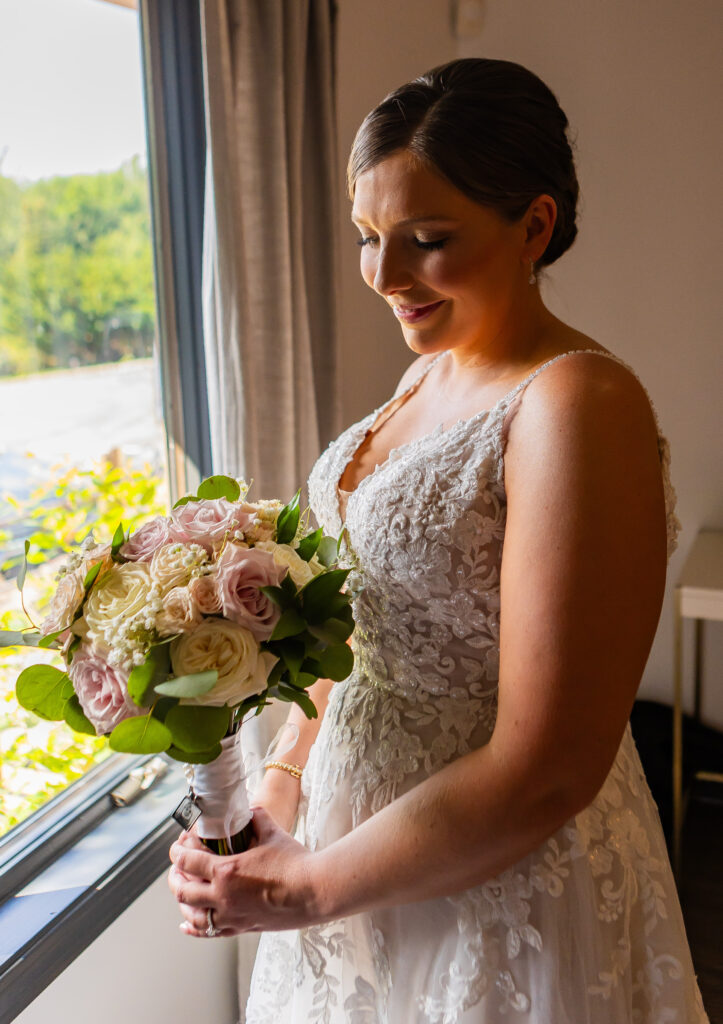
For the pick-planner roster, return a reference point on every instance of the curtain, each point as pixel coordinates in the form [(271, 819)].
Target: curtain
[(270, 239), (269, 262)]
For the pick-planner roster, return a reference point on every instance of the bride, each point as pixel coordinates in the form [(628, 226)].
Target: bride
[(475, 839)]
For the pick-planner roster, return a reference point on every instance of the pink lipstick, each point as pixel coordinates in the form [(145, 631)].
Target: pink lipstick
[(413, 314)]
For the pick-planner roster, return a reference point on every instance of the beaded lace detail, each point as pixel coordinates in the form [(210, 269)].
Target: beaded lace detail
[(424, 535)]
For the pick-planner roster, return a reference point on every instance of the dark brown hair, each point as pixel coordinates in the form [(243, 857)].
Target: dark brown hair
[(492, 128)]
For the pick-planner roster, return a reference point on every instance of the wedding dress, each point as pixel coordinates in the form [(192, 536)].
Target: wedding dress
[(587, 929)]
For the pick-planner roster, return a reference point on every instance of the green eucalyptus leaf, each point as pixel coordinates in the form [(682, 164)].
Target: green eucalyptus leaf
[(290, 695), (119, 539), (307, 547), (194, 757), (304, 680), (141, 735), (289, 624), (44, 690), (289, 587), (196, 728), (288, 521), (219, 487), (332, 631), (317, 593), (20, 579), (75, 717), (189, 686), (292, 653), (17, 638), (92, 575), (276, 673), (278, 596), (145, 677), (336, 662), (184, 500), (326, 552), (306, 704), (49, 640)]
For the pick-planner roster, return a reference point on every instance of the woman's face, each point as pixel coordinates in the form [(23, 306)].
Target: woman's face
[(450, 268)]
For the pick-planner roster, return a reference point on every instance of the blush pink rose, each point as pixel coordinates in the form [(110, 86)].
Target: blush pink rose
[(205, 595), (240, 571), (66, 601), (207, 521), (102, 689), (142, 545)]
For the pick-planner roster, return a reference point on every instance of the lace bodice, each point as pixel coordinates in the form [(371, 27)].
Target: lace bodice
[(587, 928), (424, 533)]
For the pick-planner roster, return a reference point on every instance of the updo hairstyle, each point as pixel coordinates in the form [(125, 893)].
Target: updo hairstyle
[(492, 128)]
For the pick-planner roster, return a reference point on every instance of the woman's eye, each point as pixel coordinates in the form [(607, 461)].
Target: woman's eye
[(370, 240), (436, 244)]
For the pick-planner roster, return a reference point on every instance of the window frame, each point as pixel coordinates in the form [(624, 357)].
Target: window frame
[(171, 58)]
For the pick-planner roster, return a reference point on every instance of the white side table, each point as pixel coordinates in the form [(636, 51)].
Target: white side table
[(698, 596)]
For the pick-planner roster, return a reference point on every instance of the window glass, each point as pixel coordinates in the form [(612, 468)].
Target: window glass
[(82, 443)]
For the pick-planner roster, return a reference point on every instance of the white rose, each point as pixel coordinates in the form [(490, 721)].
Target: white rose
[(179, 613), (230, 649), (172, 564), (284, 555), (118, 596)]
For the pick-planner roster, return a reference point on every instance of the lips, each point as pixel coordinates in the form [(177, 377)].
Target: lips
[(413, 314)]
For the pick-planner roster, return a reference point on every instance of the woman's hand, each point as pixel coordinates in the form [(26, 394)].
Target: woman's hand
[(267, 888)]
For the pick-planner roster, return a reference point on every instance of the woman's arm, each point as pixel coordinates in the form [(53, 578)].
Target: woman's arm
[(582, 580), (279, 791)]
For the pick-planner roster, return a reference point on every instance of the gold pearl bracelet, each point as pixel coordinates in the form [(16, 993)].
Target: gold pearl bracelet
[(292, 769)]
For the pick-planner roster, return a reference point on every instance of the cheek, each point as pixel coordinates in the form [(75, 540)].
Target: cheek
[(368, 267)]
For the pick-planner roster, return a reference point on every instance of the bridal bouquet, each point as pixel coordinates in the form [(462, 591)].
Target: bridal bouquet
[(174, 634)]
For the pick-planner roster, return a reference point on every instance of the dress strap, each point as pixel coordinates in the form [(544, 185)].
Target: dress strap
[(503, 423), (509, 398)]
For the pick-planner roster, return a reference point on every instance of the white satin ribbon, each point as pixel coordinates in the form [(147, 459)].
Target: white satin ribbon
[(220, 786)]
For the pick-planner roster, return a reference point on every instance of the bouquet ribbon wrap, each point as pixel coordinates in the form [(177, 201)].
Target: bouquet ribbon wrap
[(220, 786)]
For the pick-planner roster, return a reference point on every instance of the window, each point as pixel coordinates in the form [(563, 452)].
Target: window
[(82, 442), (44, 923)]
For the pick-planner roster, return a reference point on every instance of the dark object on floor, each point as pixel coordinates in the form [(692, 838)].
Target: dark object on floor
[(652, 726)]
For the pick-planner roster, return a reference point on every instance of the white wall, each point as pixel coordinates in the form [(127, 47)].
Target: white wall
[(641, 84), (142, 970)]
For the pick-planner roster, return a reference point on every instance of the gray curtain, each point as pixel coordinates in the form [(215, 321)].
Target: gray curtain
[(269, 268), (270, 237)]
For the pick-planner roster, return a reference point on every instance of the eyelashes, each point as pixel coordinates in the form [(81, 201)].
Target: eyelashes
[(438, 243)]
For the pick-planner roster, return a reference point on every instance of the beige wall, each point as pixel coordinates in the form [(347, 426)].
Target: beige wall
[(641, 86)]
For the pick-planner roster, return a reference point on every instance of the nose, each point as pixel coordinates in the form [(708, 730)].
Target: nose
[(392, 272)]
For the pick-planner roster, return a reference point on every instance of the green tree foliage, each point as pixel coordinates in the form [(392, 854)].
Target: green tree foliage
[(76, 281)]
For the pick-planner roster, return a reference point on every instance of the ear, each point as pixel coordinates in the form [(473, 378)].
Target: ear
[(539, 222)]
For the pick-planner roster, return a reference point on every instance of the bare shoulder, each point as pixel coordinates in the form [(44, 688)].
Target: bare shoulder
[(415, 368), (587, 398)]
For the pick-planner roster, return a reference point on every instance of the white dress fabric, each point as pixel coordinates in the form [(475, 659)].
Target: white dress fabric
[(587, 929)]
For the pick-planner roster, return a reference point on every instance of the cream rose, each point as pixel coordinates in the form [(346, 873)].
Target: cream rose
[(204, 591), (179, 613), (172, 565), (66, 600), (230, 649), (285, 556), (118, 596)]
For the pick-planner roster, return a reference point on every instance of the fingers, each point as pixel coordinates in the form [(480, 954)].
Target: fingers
[(264, 825), (194, 892), (192, 858)]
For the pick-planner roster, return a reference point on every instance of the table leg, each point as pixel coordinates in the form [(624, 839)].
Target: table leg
[(678, 737), (698, 665)]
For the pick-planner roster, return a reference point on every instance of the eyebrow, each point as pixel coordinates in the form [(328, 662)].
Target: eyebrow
[(413, 220)]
